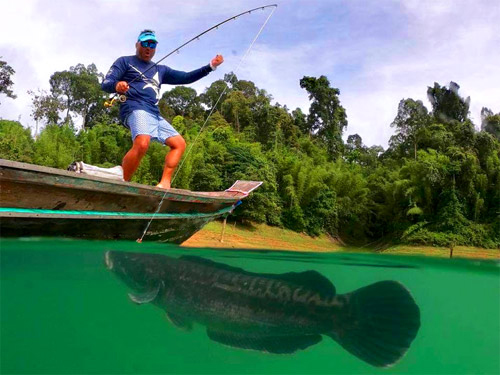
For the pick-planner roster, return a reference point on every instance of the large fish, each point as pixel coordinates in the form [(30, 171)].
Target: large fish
[(276, 313)]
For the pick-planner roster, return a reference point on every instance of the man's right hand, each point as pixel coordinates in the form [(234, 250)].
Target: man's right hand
[(121, 87)]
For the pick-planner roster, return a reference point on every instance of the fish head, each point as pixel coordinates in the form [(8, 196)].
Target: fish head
[(141, 272)]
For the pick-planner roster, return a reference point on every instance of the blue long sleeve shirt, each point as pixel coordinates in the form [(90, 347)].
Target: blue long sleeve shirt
[(144, 91)]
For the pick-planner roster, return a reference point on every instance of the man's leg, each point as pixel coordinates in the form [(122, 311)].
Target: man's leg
[(133, 157), (177, 146)]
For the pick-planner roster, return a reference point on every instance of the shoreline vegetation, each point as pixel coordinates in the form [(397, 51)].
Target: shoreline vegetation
[(263, 237), (436, 183)]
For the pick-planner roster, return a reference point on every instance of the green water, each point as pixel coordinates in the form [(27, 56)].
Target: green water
[(64, 311)]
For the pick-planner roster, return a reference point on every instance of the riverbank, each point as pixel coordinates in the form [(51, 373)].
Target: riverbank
[(260, 236)]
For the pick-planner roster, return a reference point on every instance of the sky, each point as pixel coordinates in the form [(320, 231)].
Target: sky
[(376, 52)]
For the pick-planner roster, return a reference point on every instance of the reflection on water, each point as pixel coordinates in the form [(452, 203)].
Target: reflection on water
[(274, 313)]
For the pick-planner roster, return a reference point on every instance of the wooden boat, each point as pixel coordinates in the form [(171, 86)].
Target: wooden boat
[(42, 201)]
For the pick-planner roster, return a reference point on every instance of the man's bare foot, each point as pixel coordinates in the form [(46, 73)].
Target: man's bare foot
[(163, 185)]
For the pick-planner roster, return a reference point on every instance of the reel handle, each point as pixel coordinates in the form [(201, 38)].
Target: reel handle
[(109, 103)]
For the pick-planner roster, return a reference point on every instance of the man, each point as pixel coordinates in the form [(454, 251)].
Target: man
[(138, 78)]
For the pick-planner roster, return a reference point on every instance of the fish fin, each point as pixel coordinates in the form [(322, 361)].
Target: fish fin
[(381, 321), (270, 344), (309, 279), (179, 321), (145, 297)]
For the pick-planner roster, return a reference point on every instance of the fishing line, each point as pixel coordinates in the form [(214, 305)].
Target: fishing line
[(215, 105)]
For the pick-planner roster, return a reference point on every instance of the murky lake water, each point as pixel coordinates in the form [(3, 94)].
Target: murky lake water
[(68, 307)]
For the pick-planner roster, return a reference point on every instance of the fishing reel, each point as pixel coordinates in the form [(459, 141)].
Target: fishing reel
[(121, 98)]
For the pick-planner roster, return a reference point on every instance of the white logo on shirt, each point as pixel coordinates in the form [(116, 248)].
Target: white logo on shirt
[(153, 83)]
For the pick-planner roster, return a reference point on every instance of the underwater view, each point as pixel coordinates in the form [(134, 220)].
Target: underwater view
[(72, 306)]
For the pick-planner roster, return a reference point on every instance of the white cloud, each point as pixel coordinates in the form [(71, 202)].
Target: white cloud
[(374, 65)]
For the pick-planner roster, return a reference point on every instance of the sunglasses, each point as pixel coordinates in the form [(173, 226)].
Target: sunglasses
[(148, 44)]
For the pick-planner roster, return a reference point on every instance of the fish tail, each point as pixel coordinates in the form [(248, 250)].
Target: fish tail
[(380, 322)]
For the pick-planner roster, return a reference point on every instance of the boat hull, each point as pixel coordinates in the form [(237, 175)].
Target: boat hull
[(30, 186), (41, 201), (174, 228)]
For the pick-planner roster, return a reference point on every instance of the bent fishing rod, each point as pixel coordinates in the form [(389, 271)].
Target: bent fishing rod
[(122, 97)]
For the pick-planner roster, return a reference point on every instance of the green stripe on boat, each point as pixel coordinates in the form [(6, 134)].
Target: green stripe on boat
[(107, 213)]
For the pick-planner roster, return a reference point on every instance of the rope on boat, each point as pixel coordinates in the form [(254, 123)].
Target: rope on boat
[(139, 240)]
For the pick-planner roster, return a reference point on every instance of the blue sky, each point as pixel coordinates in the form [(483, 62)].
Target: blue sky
[(375, 52)]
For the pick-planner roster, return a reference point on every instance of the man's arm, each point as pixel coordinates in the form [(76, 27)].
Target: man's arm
[(176, 77), (114, 76)]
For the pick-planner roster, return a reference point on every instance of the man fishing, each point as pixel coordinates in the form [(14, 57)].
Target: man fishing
[(140, 79)]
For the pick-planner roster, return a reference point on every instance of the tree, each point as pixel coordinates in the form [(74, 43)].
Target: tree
[(356, 152), (6, 82), (79, 92), (104, 144), (61, 87), (88, 94), (490, 122), (327, 118), (248, 88), (354, 148), (412, 116), (215, 94), (236, 110), (44, 106), (184, 101), (447, 104), (15, 142), (56, 147), (300, 121)]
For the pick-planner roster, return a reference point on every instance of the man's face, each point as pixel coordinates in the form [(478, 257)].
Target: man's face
[(145, 53)]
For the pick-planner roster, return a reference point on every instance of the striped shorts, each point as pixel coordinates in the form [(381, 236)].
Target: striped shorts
[(141, 122)]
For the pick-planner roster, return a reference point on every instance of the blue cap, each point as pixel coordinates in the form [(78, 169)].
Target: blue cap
[(147, 35)]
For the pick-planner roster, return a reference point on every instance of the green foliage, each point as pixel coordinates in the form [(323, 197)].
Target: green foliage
[(415, 211), (44, 106), (412, 117), (56, 147), (6, 83), (327, 118), (215, 95), (104, 144), (447, 105), (490, 122), (183, 101), (356, 152), (15, 142), (474, 235), (236, 110), (78, 91)]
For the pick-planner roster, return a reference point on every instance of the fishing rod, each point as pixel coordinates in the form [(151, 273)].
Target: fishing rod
[(123, 98)]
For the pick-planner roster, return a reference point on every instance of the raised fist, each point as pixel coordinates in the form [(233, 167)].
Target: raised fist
[(216, 61)]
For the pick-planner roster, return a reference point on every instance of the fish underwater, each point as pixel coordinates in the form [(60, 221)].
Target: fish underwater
[(274, 313)]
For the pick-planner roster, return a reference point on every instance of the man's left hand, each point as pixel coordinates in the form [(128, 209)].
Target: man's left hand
[(216, 61)]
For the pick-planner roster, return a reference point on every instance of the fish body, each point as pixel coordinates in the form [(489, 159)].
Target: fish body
[(276, 313)]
